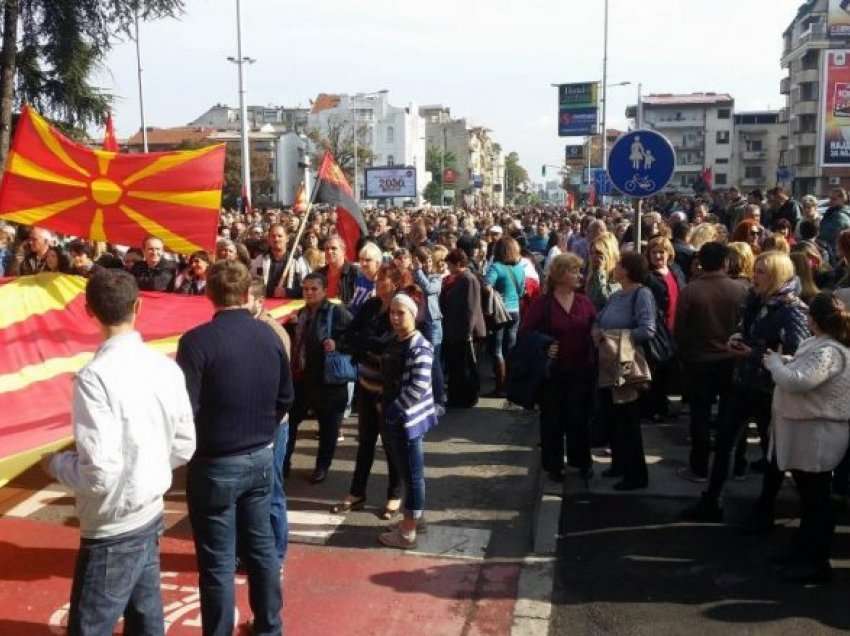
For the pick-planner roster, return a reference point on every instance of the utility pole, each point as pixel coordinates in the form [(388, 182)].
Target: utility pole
[(605, 97), (240, 62), (443, 168), (141, 95)]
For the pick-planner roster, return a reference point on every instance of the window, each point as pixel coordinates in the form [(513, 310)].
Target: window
[(723, 136), (754, 145), (724, 113), (390, 160), (720, 178), (721, 160), (753, 172), (390, 135)]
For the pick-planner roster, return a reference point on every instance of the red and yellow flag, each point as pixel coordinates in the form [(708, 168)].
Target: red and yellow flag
[(55, 183), (300, 206), (110, 143), (46, 337)]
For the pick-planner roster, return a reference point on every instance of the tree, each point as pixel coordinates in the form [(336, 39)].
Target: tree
[(60, 45), (338, 138), (434, 162), (516, 177), (262, 176)]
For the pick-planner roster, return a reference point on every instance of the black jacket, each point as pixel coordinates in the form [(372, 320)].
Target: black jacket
[(656, 285), (528, 368), (347, 281), (158, 278), (460, 303)]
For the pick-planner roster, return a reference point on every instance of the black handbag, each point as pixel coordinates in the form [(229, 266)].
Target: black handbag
[(661, 347)]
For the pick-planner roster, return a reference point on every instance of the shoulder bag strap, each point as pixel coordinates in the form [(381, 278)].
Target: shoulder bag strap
[(330, 321), (510, 269)]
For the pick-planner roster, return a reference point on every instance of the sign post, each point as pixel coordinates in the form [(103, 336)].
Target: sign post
[(641, 164)]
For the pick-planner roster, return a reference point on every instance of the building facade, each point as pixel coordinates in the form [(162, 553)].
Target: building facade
[(701, 128), (756, 150), (479, 161), (395, 135), (806, 45), (281, 118)]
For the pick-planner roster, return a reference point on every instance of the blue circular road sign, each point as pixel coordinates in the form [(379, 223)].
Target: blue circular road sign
[(641, 163)]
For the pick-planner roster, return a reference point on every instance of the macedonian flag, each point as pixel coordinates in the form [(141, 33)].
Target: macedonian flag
[(55, 183), (46, 337), (333, 189)]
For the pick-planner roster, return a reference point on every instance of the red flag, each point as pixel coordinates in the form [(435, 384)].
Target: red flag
[(708, 177), (110, 143), (334, 189), (122, 198)]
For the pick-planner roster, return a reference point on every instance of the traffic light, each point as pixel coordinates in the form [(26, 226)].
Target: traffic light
[(544, 171)]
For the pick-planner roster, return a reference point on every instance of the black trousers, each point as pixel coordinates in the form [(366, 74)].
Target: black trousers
[(813, 541), (370, 425), (841, 476), (464, 383), (745, 404), (328, 403), (565, 414), (623, 420), (707, 381)]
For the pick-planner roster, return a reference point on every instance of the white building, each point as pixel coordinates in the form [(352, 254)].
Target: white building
[(700, 126), (395, 135), (223, 117), (479, 160), (293, 166), (756, 149)]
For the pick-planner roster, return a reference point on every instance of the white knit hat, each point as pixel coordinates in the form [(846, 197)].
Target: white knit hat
[(408, 303)]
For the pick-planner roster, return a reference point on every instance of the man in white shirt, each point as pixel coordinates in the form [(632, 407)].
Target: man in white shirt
[(133, 425)]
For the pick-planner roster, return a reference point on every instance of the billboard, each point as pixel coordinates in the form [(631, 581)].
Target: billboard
[(575, 152), (839, 18), (835, 109), (390, 182), (578, 109)]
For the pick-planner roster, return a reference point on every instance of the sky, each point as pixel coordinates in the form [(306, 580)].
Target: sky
[(491, 61)]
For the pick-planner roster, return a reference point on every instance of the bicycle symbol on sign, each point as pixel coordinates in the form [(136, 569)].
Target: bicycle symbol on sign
[(638, 182)]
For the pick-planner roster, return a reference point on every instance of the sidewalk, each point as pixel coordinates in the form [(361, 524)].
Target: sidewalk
[(626, 565)]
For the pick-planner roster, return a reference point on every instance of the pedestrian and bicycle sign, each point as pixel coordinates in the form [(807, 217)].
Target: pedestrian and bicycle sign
[(641, 163)]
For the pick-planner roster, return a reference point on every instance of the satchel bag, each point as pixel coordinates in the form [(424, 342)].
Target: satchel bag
[(497, 315), (339, 367)]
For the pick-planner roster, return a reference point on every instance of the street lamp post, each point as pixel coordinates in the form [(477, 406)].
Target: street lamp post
[(141, 96), (240, 62)]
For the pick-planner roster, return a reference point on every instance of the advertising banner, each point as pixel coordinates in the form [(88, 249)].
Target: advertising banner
[(574, 152), (839, 18), (578, 109), (835, 106), (387, 183)]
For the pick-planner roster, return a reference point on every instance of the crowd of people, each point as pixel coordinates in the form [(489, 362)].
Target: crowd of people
[(735, 302)]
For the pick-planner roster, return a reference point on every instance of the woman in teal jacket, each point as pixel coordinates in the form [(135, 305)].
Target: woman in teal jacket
[(505, 275)]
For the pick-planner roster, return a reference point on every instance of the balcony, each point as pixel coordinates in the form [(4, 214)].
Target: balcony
[(785, 86), (805, 139), (678, 123), (807, 75), (805, 107), (783, 144), (784, 115), (754, 155), (752, 182)]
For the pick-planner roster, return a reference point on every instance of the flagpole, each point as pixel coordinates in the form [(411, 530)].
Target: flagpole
[(301, 227), (141, 95)]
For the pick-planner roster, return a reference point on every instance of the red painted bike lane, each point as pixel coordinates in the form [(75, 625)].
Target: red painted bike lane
[(327, 590)]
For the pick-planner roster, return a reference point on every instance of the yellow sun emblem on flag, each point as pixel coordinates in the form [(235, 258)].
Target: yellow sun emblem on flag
[(106, 196)]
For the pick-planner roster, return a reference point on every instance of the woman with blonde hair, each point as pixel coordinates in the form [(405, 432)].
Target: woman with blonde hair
[(568, 318), (776, 243), (604, 256), (810, 433), (741, 261), (805, 274), (773, 319), (702, 234)]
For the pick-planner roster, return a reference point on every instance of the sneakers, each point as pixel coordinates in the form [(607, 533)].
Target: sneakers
[(706, 510), (689, 475), (396, 538)]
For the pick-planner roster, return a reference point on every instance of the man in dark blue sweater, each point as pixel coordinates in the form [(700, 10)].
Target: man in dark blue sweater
[(239, 383)]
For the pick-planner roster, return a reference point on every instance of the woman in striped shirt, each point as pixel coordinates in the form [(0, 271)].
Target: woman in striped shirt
[(409, 412)]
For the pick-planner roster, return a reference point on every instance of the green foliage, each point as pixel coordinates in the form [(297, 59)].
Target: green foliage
[(262, 176), (516, 177), (60, 45), (338, 137), (434, 164)]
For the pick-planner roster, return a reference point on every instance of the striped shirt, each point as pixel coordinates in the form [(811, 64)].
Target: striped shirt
[(414, 407)]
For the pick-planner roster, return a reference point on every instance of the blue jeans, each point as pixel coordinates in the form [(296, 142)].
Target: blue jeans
[(226, 493), (410, 459), (503, 339), (118, 576), (280, 524)]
